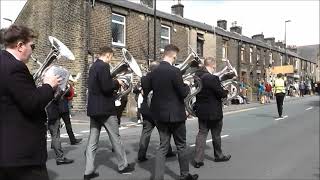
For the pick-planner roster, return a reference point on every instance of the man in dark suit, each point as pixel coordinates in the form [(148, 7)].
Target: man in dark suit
[(54, 115), (102, 111), (168, 111), (64, 113), (23, 144), (208, 109), (148, 122)]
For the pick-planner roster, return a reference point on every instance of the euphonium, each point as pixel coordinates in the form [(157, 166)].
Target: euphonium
[(58, 50), (188, 69), (124, 70)]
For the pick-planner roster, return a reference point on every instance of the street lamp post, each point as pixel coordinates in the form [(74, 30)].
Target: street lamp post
[(285, 40)]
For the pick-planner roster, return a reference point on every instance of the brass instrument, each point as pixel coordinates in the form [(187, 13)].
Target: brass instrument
[(58, 50), (123, 71)]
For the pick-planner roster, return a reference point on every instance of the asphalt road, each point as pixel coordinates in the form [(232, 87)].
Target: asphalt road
[(262, 147)]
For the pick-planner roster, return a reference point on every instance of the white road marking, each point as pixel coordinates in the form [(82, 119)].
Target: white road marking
[(241, 110), (86, 131), (209, 140), (309, 108), (277, 119)]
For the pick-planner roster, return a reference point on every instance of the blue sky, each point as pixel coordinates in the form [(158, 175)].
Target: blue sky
[(254, 16)]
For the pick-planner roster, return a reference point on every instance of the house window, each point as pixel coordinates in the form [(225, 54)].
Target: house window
[(200, 41), (297, 64), (270, 58), (118, 27), (281, 57), (225, 50), (258, 57), (251, 54), (165, 36), (242, 54)]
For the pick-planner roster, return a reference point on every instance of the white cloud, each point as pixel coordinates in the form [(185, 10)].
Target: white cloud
[(10, 10)]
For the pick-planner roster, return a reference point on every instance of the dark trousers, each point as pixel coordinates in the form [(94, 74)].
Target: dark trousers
[(54, 128), (120, 109), (66, 119), (302, 92), (178, 131), (24, 173), (279, 99), (215, 127), (148, 126)]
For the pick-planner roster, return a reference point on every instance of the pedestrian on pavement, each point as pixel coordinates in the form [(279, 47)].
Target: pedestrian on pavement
[(137, 94), (280, 91), (168, 112), (268, 88), (23, 144), (148, 122), (302, 88), (261, 91), (208, 109), (102, 112), (64, 113), (53, 115)]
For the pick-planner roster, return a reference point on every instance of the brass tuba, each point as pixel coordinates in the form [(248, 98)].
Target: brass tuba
[(227, 77), (58, 50), (188, 69), (124, 70)]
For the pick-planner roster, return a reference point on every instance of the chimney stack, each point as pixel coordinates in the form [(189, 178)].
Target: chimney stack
[(258, 37), (222, 24), (177, 9), (270, 40), (237, 29), (148, 3)]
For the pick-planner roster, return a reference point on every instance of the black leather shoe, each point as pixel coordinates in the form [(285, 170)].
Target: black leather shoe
[(76, 141), (90, 176), (198, 164), (190, 177), (64, 161), (128, 169), (171, 154), (223, 158), (143, 159)]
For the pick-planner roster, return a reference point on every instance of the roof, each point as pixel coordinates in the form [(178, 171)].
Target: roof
[(310, 52), (146, 10)]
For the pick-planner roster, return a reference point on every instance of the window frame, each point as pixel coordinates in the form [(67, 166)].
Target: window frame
[(124, 30), (164, 37), (225, 50)]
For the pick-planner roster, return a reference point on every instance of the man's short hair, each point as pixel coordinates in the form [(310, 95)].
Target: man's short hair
[(279, 75), (209, 60), (105, 50), (170, 48), (154, 65), (16, 33)]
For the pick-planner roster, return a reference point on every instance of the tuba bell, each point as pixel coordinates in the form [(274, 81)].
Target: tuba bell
[(123, 71), (58, 50)]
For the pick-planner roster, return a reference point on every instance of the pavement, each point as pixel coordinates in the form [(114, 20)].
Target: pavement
[(262, 146)]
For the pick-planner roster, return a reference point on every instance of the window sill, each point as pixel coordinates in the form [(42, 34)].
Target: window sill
[(118, 45)]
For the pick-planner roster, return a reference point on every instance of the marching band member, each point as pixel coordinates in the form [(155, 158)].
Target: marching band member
[(168, 111), (23, 144), (208, 109), (102, 112)]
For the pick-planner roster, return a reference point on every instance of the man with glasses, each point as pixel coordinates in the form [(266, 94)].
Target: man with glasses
[(23, 144)]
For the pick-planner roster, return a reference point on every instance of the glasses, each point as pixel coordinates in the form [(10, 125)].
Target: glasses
[(33, 46)]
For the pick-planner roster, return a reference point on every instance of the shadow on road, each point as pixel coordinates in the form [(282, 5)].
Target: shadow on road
[(315, 103)]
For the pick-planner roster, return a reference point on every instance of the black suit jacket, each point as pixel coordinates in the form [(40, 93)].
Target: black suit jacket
[(169, 91), (101, 89), (145, 109), (22, 115), (208, 105)]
